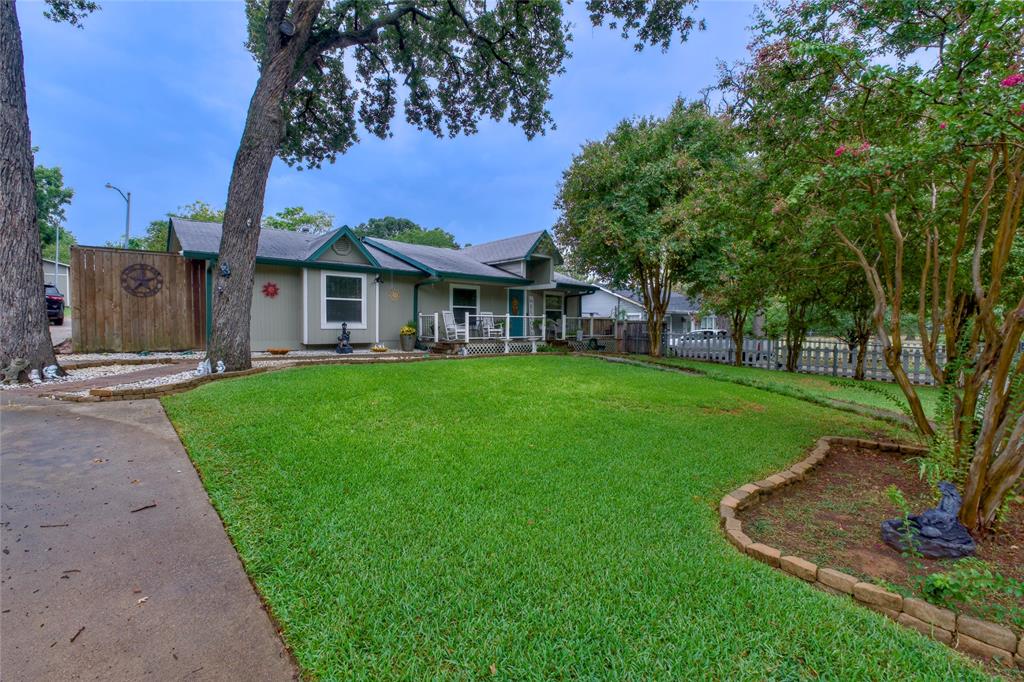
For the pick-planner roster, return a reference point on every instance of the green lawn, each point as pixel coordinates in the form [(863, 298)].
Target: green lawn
[(872, 394), (550, 516)]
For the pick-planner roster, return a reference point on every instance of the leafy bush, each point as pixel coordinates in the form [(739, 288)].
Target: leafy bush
[(971, 580)]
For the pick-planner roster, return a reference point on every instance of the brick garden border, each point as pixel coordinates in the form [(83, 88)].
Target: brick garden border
[(981, 638)]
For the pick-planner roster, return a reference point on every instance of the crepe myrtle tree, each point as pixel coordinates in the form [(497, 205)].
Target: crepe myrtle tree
[(624, 214), (327, 65), (922, 162), (24, 329)]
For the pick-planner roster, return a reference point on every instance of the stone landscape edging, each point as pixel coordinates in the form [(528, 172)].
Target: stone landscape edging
[(981, 638), (159, 391)]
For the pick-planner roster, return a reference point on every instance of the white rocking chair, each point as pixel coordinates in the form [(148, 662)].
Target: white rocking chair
[(453, 331), (488, 328)]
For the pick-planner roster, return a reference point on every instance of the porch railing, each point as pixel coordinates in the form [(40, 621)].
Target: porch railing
[(479, 327), (580, 328), (483, 327)]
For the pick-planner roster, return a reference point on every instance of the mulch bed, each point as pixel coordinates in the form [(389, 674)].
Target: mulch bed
[(832, 519)]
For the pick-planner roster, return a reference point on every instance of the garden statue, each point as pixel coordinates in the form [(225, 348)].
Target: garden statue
[(12, 371), (936, 533), (343, 347)]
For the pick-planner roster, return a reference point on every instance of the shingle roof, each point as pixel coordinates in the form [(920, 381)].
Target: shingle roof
[(204, 237), (510, 248), (677, 303), (573, 282), (441, 260), (389, 262)]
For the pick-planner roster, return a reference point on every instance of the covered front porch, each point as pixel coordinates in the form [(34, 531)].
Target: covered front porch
[(485, 333)]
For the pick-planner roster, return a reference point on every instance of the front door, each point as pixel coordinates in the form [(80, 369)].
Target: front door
[(516, 308)]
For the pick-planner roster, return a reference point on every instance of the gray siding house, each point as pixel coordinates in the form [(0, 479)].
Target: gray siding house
[(308, 285), (682, 317)]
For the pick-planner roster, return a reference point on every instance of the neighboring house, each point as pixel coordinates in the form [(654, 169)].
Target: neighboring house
[(307, 285), (59, 275), (682, 316)]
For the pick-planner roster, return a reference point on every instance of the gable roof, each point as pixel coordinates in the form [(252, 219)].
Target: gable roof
[(199, 239), (519, 247), (439, 261), (677, 303)]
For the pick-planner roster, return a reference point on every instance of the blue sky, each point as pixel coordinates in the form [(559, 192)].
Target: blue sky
[(151, 96)]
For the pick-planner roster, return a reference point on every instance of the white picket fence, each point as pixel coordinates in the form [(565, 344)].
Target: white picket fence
[(816, 357)]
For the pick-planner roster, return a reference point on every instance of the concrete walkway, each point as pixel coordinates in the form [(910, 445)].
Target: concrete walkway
[(89, 588)]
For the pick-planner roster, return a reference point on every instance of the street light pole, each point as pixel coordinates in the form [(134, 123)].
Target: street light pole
[(127, 214)]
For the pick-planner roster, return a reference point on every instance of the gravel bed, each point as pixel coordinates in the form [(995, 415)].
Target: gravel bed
[(89, 357), (80, 375)]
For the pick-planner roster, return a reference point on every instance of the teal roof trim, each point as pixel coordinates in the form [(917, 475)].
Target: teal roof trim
[(344, 231), (402, 257)]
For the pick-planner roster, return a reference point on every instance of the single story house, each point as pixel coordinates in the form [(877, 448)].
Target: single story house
[(682, 317), (498, 296)]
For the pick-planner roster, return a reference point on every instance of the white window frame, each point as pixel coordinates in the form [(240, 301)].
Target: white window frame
[(561, 309), (707, 323), (324, 324), (451, 297)]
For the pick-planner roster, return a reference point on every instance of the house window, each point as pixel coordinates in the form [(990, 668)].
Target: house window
[(553, 307), (707, 322), (344, 301), (465, 301)]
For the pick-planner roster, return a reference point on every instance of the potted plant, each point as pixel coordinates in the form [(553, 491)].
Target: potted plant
[(407, 336)]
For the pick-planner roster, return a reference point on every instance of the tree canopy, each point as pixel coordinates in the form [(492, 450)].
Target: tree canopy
[(52, 197), (624, 211), (405, 230), (903, 145), (297, 218)]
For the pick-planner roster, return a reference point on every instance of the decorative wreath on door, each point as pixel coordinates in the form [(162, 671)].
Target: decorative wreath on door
[(271, 290)]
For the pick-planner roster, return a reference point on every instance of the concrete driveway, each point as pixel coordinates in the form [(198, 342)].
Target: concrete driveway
[(114, 564), (61, 333)]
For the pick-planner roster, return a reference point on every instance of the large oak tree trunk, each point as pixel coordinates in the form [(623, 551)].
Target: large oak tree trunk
[(24, 328), (235, 270)]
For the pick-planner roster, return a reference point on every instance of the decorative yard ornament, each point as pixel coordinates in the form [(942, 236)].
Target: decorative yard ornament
[(220, 367), (50, 372), (343, 347), (271, 290), (203, 368), (936, 533), (142, 280), (394, 294), (13, 370)]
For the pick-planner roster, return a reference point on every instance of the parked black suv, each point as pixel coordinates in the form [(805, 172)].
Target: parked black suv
[(54, 304)]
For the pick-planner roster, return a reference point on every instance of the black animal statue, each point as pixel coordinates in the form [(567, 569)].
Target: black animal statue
[(935, 533), (344, 347)]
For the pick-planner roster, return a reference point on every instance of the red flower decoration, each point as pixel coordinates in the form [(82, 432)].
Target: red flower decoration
[(270, 290)]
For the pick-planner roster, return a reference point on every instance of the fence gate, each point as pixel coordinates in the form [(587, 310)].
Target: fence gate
[(130, 301), (637, 339)]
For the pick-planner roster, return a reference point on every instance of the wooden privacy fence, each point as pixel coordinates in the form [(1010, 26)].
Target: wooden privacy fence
[(816, 357), (131, 301)]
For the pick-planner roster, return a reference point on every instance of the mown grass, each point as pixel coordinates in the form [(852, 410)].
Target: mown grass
[(872, 394), (525, 518)]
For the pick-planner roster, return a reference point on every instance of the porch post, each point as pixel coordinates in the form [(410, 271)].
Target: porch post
[(508, 329), (467, 327), (563, 327), (591, 325), (437, 331)]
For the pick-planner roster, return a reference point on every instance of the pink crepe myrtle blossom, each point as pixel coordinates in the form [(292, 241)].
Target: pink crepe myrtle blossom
[(840, 150), (1013, 80), (942, 126)]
